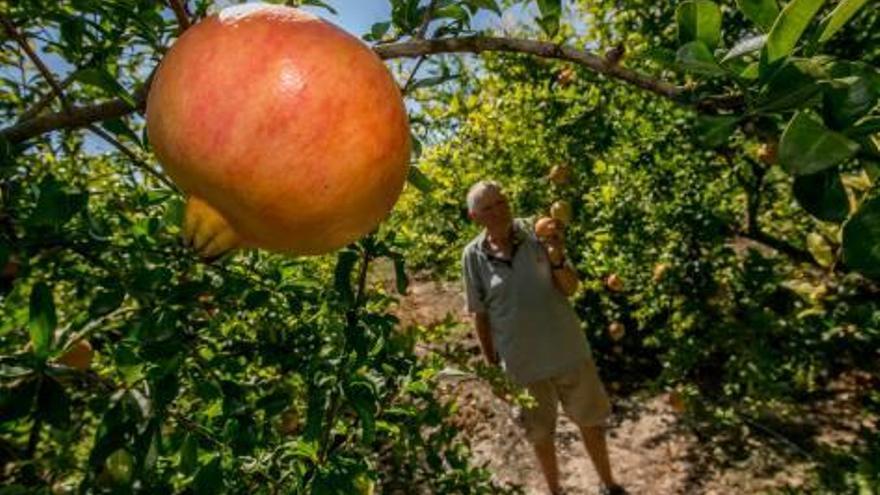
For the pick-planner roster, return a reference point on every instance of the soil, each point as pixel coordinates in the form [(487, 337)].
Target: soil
[(653, 449)]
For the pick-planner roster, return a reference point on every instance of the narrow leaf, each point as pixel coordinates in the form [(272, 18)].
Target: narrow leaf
[(861, 239), (762, 12), (42, 320), (839, 17), (789, 27), (695, 57), (419, 180), (699, 20), (713, 131), (745, 47)]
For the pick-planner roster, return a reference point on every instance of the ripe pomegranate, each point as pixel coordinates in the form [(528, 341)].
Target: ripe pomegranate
[(286, 132), (547, 227), (614, 283), (560, 174)]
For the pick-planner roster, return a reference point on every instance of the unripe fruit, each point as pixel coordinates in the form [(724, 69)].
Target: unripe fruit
[(119, 466), (78, 355), (561, 210), (616, 330), (614, 283), (560, 174), (286, 132), (660, 270)]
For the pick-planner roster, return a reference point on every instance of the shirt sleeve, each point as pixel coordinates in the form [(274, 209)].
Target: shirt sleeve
[(475, 296)]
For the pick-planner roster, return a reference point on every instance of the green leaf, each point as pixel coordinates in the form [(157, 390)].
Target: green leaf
[(713, 131), (551, 13), (762, 12), (379, 30), (699, 20), (695, 57), (807, 146), (42, 319), (838, 18), (419, 180), (17, 400), (861, 239), (402, 281), (209, 479), (850, 96), (321, 4), (53, 405), (345, 263), (745, 47), (822, 195), (789, 27), (792, 86), (491, 5), (120, 129), (189, 455), (101, 79), (106, 301), (865, 127), (56, 204)]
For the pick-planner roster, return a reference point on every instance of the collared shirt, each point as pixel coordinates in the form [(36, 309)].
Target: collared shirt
[(534, 328)]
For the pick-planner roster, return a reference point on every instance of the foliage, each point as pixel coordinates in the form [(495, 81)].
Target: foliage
[(262, 374)]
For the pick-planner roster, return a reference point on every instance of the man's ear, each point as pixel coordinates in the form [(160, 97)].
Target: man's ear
[(470, 214)]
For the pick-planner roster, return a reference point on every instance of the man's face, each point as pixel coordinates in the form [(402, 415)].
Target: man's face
[(492, 210)]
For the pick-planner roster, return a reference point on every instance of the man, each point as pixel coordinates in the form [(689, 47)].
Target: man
[(517, 289)]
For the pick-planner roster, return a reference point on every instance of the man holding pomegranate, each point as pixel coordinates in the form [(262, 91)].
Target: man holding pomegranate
[(517, 282)]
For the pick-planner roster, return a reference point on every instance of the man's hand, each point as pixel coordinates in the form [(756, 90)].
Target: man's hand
[(552, 237)]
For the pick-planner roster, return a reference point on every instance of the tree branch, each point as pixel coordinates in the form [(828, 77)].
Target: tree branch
[(478, 44), (81, 116), (133, 157), (180, 13)]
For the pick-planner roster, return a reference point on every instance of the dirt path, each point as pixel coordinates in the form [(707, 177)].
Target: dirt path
[(652, 449)]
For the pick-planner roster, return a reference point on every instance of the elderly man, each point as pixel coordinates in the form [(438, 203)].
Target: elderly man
[(517, 289)]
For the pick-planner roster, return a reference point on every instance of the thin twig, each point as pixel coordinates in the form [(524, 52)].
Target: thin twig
[(131, 155), (412, 75)]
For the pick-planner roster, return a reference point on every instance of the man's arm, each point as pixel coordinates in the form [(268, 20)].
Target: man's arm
[(566, 279), (484, 333)]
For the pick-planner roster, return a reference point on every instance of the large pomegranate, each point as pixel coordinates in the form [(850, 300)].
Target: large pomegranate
[(286, 132)]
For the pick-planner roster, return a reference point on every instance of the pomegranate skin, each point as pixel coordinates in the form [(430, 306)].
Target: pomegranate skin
[(293, 130)]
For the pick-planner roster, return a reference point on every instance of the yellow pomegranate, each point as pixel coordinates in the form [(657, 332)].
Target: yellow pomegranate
[(561, 210), (286, 132)]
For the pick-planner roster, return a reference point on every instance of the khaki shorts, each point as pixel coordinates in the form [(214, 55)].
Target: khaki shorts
[(583, 399)]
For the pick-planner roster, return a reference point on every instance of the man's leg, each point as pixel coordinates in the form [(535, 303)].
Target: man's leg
[(594, 440), (539, 423), (585, 401), (546, 452)]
